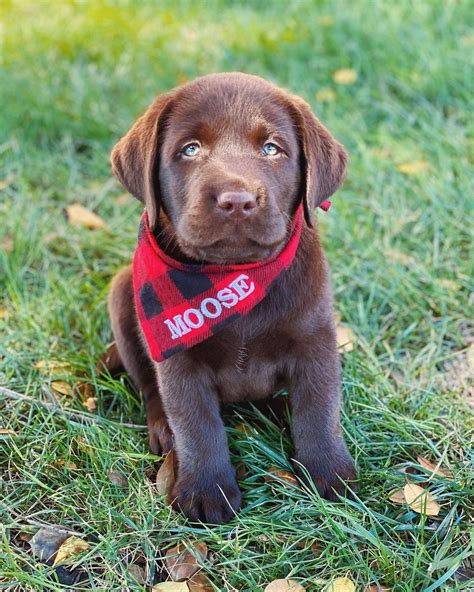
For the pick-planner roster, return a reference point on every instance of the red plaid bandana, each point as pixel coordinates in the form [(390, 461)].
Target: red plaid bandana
[(180, 305)]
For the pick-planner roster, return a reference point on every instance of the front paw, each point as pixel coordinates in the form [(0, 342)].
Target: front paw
[(211, 498), (332, 472)]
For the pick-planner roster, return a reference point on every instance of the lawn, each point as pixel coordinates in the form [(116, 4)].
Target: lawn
[(73, 77)]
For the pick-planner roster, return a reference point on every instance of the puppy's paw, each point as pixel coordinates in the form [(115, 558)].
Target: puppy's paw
[(211, 498), (160, 437), (333, 474)]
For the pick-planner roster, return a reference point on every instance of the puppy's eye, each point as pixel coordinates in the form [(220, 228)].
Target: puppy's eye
[(191, 149), (270, 149)]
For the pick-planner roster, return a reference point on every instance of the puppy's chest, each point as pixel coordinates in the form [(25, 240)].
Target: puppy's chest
[(249, 372)]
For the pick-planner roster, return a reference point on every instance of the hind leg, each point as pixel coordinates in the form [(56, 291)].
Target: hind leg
[(135, 359)]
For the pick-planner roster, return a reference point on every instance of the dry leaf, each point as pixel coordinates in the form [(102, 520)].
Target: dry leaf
[(117, 478), (91, 404), (275, 473), (415, 167), (182, 563), (53, 367), (376, 588), (315, 547), (84, 390), (7, 432), (80, 216), (3, 312), (46, 542), (449, 284), (398, 257), (420, 500), (171, 587), (397, 496), (345, 337), (137, 572), (434, 469), (345, 76), (61, 387), (200, 583), (326, 95), (72, 546), (284, 586), (341, 585), (61, 463), (165, 477)]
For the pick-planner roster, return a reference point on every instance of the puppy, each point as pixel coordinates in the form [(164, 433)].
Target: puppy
[(229, 298)]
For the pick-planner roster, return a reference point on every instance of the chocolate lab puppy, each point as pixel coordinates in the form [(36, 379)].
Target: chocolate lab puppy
[(230, 169)]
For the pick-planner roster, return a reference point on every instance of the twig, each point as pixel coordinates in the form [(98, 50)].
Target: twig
[(76, 415), (39, 523)]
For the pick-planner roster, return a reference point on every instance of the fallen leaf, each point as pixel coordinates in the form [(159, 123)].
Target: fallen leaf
[(200, 583), (182, 563), (434, 469), (62, 388), (91, 404), (46, 542), (284, 585), (117, 478), (171, 587), (449, 284), (326, 95), (137, 572), (376, 588), (80, 216), (397, 496), (61, 463), (345, 337), (420, 500), (274, 473), (415, 167), (72, 546), (7, 432), (398, 257), (345, 76), (53, 367), (314, 546), (165, 477), (25, 537), (84, 390), (3, 312), (341, 585)]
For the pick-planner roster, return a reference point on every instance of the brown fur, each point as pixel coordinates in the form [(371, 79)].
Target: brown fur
[(288, 340)]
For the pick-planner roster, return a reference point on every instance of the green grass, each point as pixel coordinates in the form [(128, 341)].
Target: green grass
[(73, 77)]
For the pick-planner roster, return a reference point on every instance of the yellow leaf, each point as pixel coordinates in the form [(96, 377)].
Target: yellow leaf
[(80, 216), (91, 404), (275, 474), (72, 546), (341, 585), (53, 367), (284, 586), (165, 477), (61, 387), (7, 432), (326, 95), (345, 76), (171, 587), (397, 496), (415, 167), (345, 337), (3, 312), (434, 469), (420, 500)]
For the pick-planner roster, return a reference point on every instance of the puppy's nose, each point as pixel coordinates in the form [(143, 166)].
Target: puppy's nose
[(237, 204)]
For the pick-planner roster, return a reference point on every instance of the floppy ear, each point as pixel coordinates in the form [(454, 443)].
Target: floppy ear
[(324, 160), (135, 158)]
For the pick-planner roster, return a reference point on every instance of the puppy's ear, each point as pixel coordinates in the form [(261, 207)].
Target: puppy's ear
[(135, 158), (324, 160)]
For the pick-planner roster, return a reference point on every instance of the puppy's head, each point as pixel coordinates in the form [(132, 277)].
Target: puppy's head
[(228, 158)]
